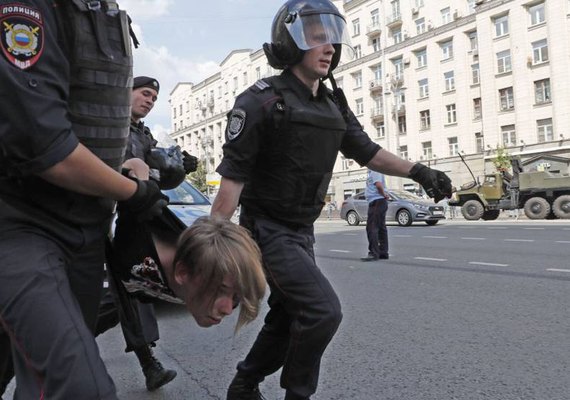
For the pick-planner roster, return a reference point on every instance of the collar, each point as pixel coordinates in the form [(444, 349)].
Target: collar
[(300, 89)]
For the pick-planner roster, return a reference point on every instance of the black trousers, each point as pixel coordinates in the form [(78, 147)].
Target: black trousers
[(376, 228), (49, 296), (305, 310)]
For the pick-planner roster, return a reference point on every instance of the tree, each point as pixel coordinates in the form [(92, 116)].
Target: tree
[(198, 178), (502, 160)]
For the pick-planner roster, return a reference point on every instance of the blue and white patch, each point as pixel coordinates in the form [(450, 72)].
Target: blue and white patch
[(236, 122)]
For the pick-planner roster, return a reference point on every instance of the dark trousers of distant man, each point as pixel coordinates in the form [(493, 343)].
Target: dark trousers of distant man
[(376, 228), (304, 310)]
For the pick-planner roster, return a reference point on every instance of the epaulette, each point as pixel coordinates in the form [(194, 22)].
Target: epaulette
[(260, 86)]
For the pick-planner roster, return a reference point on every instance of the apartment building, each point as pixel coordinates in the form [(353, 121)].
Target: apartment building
[(430, 79)]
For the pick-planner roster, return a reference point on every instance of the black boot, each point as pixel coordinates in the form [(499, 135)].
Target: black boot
[(156, 375), (243, 389)]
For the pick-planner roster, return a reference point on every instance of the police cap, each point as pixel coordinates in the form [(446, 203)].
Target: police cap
[(146, 81)]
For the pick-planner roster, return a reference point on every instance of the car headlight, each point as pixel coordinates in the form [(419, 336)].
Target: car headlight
[(421, 207)]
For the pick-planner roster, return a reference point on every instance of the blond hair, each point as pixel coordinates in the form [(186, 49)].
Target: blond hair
[(214, 248)]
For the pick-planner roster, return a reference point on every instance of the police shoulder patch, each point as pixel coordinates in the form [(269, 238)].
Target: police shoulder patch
[(236, 122), (21, 34)]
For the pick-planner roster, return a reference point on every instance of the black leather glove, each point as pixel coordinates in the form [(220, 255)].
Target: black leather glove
[(435, 183), (190, 162), (147, 202)]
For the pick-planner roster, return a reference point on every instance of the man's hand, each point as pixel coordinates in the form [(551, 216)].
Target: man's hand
[(137, 168), (190, 162), (147, 202), (435, 183)]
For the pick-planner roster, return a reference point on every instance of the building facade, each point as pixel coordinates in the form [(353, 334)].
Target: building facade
[(430, 79)]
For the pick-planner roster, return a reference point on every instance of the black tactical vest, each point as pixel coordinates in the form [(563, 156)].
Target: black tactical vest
[(100, 57), (295, 165)]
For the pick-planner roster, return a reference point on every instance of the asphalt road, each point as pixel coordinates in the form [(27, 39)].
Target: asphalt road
[(462, 310)]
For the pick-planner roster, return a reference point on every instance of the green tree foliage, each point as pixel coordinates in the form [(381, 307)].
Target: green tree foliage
[(502, 160), (198, 178)]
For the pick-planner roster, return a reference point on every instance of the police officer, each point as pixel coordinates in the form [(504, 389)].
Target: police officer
[(66, 73), (140, 327), (282, 141)]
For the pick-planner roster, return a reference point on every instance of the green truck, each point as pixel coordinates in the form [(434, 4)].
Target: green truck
[(541, 194)]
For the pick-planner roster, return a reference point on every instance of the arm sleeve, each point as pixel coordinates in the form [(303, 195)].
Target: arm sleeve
[(35, 132), (356, 143)]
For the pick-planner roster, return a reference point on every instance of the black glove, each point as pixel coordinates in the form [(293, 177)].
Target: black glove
[(147, 202), (435, 183), (190, 162)]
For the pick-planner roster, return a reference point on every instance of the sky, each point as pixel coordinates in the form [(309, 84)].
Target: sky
[(186, 40)]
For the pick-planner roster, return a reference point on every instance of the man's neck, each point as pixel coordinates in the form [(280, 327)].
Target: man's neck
[(311, 83)]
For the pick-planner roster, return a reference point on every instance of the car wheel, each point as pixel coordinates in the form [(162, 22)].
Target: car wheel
[(432, 223), (352, 218), (536, 208), (561, 207), (404, 218), (472, 210), (491, 215)]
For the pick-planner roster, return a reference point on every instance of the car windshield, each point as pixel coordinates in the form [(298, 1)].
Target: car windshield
[(405, 195), (186, 194)]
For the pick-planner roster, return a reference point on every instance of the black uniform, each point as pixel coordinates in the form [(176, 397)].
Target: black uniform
[(65, 79), (138, 320), (282, 142)]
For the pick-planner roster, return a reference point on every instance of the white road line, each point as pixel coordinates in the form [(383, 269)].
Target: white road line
[(536, 229), (563, 241), (519, 240), (435, 237), (401, 235), (497, 227), (558, 270), (350, 234), (339, 251), (488, 264), (430, 259), (473, 238)]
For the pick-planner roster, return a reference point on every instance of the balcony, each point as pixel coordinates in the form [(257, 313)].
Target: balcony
[(211, 102), (373, 30), (377, 114), (399, 110), (375, 86), (394, 20)]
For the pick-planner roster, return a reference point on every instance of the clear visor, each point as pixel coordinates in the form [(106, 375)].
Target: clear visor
[(314, 30)]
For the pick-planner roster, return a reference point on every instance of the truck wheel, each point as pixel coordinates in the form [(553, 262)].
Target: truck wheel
[(352, 218), (536, 208), (472, 210), (491, 215), (561, 207)]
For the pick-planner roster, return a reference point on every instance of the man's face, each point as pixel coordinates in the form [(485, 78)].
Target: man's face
[(317, 61), (142, 101)]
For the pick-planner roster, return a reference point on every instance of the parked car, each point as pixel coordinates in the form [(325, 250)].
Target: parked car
[(188, 203), (403, 207)]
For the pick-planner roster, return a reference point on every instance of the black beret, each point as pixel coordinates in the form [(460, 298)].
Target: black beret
[(146, 81)]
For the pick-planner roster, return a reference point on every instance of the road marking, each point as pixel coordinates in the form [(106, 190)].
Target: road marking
[(473, 238), (435, 237), (488, 264), (519, 240), (497, 227), (350, 234), (401, 235), (563, 241), (430, 259), (536, 229), (558, 270), (339, 251)]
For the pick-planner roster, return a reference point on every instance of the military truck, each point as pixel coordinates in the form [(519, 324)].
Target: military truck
[(541, 194)]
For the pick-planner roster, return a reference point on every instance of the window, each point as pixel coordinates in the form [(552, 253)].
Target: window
[(446, 50), (475, 73), (424, 88), (174, 112), (542, 91), (421, 56), (404, 152), (219, 91), (419, 3), (473, 44), (471, 5), (445, 16), (420, 25), (426, 150), (397, 35), (536, 14), (402, 125), (507, 99), (544, 130), (375, 17), (180, 109), (359, 107), (245, 78), (378, 107), (225, 87), (504, 61), (398, 68), (380, 130), (395, 4), (509, 135), (258, 73), (451, 113), (425, 122), (376, 44), (501, 26), (539, 51), (235, 87), (479, 142), (357, 80), (356, 27), (357, 51), (449, 78), (378, 73), (175, 127), (477, 111), (453, 146)]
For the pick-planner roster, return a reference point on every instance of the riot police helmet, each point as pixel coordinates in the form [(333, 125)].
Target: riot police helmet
[(169, 163), (301, 25)]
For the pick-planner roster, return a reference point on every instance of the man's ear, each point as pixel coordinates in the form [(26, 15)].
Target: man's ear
[(181, 275)]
